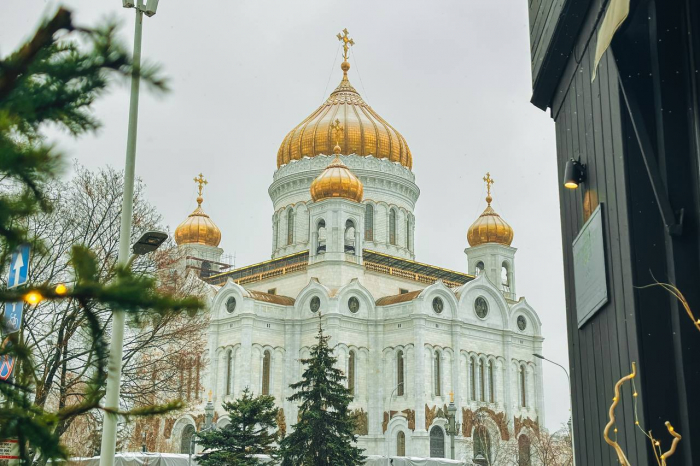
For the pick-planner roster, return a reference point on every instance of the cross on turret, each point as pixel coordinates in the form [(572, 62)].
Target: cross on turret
[(201, 182), (338, 130), (347, 42)]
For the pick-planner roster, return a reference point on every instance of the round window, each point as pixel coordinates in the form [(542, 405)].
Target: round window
[(353, 304), (315, 304), (231, 305), (438, 305), (522, 323), (481, 307)]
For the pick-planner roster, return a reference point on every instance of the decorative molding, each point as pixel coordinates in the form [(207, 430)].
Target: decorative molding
[(361, 421), (354, 162), (519, 423), (281, 424), (469, 418)]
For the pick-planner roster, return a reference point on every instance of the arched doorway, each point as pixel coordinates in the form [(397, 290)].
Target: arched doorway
[(186, 439), (437, 442)]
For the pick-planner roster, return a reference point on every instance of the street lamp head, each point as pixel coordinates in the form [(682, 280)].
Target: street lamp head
[(149, 242), (128, 3), (538, 356), (151, 7)]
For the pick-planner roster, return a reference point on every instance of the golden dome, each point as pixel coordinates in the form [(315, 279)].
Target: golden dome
[(198, 228), (489, 227), (337, 181), (365, 132)]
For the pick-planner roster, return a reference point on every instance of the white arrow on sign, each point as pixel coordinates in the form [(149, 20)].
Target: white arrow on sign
[(19, 263)]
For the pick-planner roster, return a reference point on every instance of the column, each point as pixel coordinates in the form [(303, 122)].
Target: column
[(419, 376), (508, 381), (245, 369)]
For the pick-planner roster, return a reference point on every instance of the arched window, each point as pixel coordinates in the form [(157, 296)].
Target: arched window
[(186, 439), (472, 378), (351, 373), (505, 278), (479, 269), (408, 232), (482, 382), (267, 359), (321, 233), (482, 446), (290, 226), (400, 444), (524, 455), (229, 371), (369, 222), (392, 226), (399, 373), (349, 237), (436, 371), (523, 397), (492, 391)]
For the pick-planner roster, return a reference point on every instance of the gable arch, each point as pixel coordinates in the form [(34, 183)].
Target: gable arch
[(482, 285)]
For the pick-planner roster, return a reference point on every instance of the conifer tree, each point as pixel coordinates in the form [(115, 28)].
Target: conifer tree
[(53, 80), (251, 432), (324, 435)]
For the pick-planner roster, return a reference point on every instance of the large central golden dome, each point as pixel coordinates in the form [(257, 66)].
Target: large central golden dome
[(365, 132)]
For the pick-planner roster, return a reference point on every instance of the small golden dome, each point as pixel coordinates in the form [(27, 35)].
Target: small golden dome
[(489, 227), (365, 133), (337, 181), (198, 228)]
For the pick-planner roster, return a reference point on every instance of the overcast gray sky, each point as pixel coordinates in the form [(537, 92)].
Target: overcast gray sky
[(452, 76)]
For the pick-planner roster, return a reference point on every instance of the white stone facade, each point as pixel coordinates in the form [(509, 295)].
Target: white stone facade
[(405, 341)]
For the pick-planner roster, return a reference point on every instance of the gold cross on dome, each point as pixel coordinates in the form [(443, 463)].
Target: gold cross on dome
[(201, 182), (338, 129), (489, 181), (345, 39), (452, 397)]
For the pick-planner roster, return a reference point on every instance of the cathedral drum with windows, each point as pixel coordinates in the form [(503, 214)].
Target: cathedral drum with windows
[(408, 335)]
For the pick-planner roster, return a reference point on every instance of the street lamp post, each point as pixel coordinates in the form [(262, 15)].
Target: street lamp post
[(208, 418), (114, 368), (452, 424), (571, 402)]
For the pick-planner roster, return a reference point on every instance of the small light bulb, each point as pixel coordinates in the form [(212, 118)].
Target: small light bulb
[(33, 297), (636, 422), (614, 398), (61, 289), (634, 394)]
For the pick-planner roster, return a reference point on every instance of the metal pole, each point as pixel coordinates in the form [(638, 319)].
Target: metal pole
[(114, 369)]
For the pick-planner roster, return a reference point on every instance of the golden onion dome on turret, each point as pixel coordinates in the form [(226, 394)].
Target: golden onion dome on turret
[(198, 228), (337, 181), (365, 132), (489, 227)]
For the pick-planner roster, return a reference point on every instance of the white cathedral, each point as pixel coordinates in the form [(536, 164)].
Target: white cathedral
[(407, 335)]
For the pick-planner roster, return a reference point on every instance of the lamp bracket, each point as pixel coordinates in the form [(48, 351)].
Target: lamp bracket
[(673, 220)]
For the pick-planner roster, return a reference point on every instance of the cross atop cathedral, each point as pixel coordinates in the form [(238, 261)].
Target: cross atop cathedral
[(489, 181), (347, 42), (338, 129), (201, 182)]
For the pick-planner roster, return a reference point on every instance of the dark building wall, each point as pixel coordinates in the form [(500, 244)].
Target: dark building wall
[(593, 124)]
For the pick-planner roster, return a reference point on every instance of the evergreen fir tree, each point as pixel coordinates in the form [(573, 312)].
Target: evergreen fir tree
[(251, 432), (324, 434)]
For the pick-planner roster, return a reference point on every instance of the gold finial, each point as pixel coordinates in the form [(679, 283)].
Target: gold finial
[(347, 43), (452, 397), (201, 182), (338, 129), (209, 395), (489, 181)]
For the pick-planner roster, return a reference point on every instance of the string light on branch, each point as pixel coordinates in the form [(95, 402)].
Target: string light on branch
[(33, 298)]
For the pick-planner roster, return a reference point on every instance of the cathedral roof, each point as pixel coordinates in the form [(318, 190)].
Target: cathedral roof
[(198, 228), (337, 181), (364, 132), (398, 298), (489, 227)]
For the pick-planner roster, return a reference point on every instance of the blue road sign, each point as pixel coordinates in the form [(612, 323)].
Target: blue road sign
[(7, 362), (19, 267), (12, 320)]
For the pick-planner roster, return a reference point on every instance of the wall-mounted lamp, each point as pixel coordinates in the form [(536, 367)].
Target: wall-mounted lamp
[(574, 174)]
